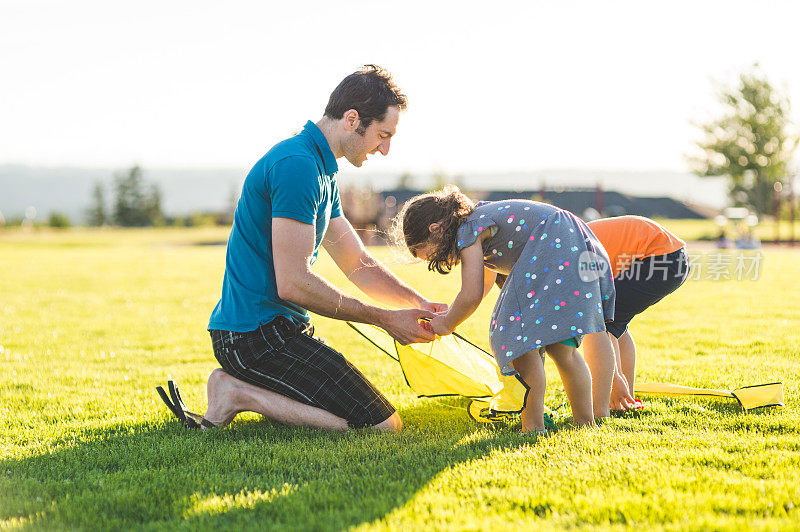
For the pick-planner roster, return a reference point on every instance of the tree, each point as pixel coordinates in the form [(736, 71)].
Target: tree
[(58, 220), (128, 198), (751, 143), (136, 204), (152, 206), (96, 214)]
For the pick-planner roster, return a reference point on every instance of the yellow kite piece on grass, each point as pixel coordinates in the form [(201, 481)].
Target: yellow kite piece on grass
[(453, 366), (749, 397)]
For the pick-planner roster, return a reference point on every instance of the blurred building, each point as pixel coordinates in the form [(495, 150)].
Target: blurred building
[(371, 212)]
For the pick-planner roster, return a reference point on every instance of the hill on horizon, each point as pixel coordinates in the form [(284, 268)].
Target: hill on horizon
[(68, 189)]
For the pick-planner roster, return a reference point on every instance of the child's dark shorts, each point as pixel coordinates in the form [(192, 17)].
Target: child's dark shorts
[(644, 284), (283, 357)]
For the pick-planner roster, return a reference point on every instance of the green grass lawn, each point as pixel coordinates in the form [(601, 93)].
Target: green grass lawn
[(91, 321), (767, 230)]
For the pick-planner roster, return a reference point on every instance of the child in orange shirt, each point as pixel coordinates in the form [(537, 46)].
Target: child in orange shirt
[(648, 263)]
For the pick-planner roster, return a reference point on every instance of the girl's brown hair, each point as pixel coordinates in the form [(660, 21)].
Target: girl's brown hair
[(449, 208)]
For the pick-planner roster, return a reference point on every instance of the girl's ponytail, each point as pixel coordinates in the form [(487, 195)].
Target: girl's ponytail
[(449, 208)]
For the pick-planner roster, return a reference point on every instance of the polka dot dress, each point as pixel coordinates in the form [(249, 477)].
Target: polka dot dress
[(559, 282)]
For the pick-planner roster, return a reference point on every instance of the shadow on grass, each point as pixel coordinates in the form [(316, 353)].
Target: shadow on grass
[(254, 474)]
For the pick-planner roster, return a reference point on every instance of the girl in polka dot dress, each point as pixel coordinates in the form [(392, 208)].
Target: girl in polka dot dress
[(559, 288)]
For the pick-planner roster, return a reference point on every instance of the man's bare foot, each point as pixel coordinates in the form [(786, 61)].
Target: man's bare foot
[(222, 391)]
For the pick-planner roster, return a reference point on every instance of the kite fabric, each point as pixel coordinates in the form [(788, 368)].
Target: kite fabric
[(453, 366), (749, 397)]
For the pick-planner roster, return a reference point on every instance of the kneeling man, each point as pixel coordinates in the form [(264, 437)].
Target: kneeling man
[(260, 328)]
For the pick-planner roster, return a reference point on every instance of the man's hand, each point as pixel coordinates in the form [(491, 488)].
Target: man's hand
[(439, 325), (621, 398), (405, 327), (436, 308)]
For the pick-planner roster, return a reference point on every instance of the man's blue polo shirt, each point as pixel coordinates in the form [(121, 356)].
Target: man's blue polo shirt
[(295, 179)]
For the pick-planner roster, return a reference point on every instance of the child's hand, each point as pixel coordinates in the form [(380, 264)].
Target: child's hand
[(439, 325)]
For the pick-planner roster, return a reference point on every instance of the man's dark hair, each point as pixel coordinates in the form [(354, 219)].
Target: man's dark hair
[(370, 91)]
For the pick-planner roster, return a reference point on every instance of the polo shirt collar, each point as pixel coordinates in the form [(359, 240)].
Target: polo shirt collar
[(324, 149)]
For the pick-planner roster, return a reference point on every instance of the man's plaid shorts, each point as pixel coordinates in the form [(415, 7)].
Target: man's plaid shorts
[(283, 357)]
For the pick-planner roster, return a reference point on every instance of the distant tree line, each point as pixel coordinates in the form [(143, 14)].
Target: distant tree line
[(129, 201), (55, 219), (135, 202)]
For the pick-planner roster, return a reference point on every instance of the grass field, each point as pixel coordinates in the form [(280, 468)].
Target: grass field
[(708, 230), (91, 321)]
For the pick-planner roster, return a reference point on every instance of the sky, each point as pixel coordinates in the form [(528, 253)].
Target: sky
[(507, 86)]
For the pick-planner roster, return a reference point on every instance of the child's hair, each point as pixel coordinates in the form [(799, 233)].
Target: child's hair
[(449, 208)]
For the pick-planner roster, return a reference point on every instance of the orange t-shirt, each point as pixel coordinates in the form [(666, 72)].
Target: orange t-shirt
[(627, 238)]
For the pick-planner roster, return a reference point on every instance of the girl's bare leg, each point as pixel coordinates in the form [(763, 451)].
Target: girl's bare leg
[(621, 394), (530, 367), (599, 353), (577, 382), (627, 356)]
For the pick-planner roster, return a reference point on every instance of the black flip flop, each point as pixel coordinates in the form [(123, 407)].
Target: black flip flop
[(175, 403)]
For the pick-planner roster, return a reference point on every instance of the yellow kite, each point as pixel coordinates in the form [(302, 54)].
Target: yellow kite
[(453, 366), (749, 397)]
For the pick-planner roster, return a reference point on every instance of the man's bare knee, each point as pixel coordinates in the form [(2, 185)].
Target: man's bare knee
[(393, 424)]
